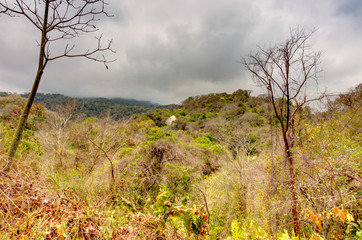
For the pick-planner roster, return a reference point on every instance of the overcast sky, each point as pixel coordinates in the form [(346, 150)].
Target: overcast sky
[(168, 50)]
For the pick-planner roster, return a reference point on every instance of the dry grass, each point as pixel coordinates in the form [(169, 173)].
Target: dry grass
[(28, 211)]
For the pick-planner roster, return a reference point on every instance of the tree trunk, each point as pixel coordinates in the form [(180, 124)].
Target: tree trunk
[(292, 184), (25, 113), (271, 123)]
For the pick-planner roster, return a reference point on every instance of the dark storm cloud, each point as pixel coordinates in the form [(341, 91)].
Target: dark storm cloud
[(169, 50), (209, 53), (351, 7), (16, 43), (192, 50)]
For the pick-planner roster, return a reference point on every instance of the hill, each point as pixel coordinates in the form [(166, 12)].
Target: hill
[(94, 107), (217, 172)]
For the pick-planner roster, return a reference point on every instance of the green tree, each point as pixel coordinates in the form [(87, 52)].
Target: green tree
[(57, 21)]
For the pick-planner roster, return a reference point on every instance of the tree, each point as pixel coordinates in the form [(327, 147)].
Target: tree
[(285, 72), (58, 21), (350, 99)]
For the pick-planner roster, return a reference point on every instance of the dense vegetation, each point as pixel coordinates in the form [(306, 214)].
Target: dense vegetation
[(94, 107), (218, 172)]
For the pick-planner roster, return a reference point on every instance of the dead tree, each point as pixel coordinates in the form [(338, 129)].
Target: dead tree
[(59, 22), (286, 71)]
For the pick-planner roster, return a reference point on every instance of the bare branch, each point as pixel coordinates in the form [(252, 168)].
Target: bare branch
[(66, 20), (110, 162), (20, 8), (88, 54), (56, 20), (284, 70)]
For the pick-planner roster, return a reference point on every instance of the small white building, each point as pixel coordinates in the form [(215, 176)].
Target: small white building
[(170, 120)]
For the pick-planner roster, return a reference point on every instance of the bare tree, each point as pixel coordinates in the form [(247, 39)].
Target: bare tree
[(58, 21), (285, 71), (58, 122)]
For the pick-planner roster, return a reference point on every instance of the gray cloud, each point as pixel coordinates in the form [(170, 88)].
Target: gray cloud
[(169, 50)]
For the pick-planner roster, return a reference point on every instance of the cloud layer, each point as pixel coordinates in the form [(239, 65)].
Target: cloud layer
[(169, 50)]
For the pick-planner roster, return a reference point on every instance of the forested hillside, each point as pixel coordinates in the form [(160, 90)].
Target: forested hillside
[(217, 172), (94, 107)]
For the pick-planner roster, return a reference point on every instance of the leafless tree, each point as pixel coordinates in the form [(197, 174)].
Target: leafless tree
[(58, 21), (66, 112), (285, 71), (56, 125)]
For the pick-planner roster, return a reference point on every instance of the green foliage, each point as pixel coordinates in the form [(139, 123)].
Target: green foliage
[(354, 230), (160, 116), (214, 102), (163, 203), (285, 236), (203, 142), (118, 108), (206, 143), (125, 151), (30, 147), (248, 230), (192, 219), (180, 178), (220, 144), (154, 134), (327, 141)]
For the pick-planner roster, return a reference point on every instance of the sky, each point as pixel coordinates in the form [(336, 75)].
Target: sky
[(168, 50)]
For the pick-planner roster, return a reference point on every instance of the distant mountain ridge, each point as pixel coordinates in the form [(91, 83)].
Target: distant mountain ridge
[(124, 101), (45, 97), (95, 107)]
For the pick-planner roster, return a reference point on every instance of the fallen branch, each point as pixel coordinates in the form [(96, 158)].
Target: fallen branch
[(206, 206)]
